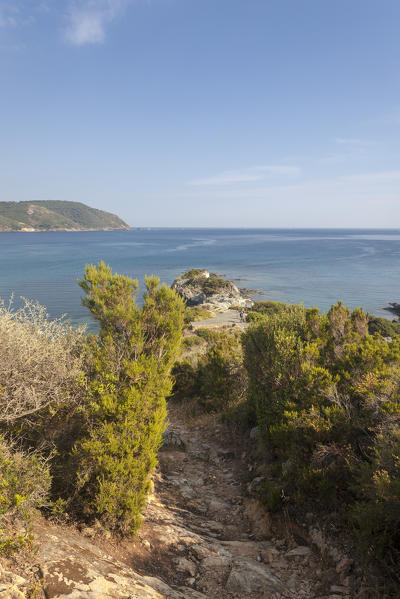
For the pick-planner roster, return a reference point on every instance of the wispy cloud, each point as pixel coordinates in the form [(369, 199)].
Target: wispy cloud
[(359, 188), (17, 13), (87, 20), (9, 15), (248, 175), (352, 141)]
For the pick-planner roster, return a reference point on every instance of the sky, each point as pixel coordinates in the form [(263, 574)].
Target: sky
[(209, 113)]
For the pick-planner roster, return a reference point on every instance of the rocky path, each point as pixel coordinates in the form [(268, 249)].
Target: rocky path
[(220, 536), (204, 536)]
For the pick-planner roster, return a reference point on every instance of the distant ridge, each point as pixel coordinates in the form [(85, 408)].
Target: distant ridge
[(53, 215)]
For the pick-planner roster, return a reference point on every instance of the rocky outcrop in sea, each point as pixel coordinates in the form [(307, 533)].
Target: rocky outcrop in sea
[(393, 307), (208, 290)]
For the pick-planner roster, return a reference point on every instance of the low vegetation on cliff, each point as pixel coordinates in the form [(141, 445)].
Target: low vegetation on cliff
[(53, 215)]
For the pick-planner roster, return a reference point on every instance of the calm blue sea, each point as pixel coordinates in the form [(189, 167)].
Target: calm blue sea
[(316, 267)]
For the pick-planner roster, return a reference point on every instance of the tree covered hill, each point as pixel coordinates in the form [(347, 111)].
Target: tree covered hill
[(49, 215)]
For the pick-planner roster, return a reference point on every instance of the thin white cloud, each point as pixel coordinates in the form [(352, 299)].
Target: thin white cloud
[(350, 141), (372, 178), (248, 175), (226, 178), (87, 20), (9, 15), (17, 13), (361, 189)]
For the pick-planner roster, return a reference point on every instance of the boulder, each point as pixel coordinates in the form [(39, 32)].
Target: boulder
[(72, 567), (11, 592), (172, 440), (185, 566), (299, 551), (248, 576)]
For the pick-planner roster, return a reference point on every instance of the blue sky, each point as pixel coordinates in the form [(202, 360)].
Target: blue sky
[(264, 113)]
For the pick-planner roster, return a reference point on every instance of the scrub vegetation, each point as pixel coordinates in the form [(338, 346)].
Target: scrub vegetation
[(86, 413), (82, 416), (323, 390)]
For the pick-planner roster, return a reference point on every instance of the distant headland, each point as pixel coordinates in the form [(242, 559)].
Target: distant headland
[(53, 215)]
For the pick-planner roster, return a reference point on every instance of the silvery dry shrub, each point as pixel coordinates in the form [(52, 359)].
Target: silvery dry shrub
[(127, 384), (40, 363)]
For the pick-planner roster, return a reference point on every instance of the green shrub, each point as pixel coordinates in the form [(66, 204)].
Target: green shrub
[(221, 376), (214, 285), (254, 316), (186, 384), (193, 273), (327, 400), (376, 515), (262, 309), (194, 313), (383, 326), (269, 308), (271, 496), (24, 486), (217, 377), (209, 335), (131, 360), (209, 285), (191, 342)]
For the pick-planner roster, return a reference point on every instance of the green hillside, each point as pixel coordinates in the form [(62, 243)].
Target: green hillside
[(55, 216)]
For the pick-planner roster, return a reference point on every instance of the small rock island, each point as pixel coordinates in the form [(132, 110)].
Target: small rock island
[(49, 215), (201, 288), (394, 308)]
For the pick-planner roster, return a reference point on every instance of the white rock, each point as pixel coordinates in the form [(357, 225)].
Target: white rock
[(185, 566), (201, 551), (11, 592), (216, 561), (247, 576)]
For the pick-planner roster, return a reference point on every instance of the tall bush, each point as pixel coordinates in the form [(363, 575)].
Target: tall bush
[(128, 382)]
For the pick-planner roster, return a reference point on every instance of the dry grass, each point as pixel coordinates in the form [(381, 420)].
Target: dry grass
[(40, 361)]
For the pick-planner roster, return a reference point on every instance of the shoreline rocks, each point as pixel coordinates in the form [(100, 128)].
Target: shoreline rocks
[(393, 307), (201, 288)]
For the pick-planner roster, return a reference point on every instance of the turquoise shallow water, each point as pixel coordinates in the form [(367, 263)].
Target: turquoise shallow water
[(316, 267)]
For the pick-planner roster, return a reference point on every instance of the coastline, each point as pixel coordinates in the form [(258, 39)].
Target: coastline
[(28, 230)]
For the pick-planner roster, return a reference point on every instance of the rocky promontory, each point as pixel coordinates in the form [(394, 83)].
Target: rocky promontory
[(201, 288), (393, 307), (55, 215)]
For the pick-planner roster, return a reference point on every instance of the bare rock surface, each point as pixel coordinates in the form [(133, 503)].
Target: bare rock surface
[(204, 536), (198, 290)]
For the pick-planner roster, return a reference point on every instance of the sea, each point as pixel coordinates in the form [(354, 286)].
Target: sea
[(316, 267)]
